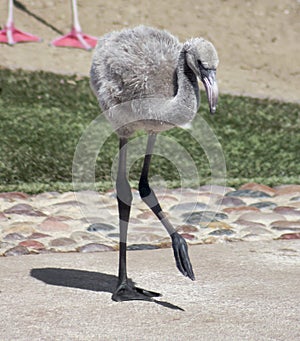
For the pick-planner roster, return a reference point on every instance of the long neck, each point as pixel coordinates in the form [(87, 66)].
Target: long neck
[(188, 89)]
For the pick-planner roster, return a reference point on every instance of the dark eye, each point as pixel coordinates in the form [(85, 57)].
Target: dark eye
[(204, 66), (200, 65)]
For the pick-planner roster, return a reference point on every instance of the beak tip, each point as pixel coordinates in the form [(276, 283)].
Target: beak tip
[(212, 91), (212, 109)]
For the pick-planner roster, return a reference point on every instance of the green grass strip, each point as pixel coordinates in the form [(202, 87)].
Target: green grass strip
[(43, 115)]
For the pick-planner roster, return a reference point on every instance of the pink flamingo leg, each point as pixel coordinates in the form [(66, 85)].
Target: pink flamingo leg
[(10, 35), (76, 38)]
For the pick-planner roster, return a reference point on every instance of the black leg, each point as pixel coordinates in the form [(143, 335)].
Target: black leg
[(178, 242), (125, 289)]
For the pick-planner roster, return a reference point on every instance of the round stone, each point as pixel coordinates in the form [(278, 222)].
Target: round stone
[(52, 225), (136, 247), (247, 223), (38, 235), (94, 247), (17, 251), (253, 186), (264, 205), (20, 227), (100, 227), (208, 197), (288, 190), (82, 235), (286, 210), (19, 209), (62, 242), (248, 193), (240, 209), (114, 235), (230, 202), (256, 230), (286, 225), (195, 218), (290, 236), (187, 228), (189, 206), (263, 217), (14, 236), (4, 245), (24, 209), (188, 236), (2, 216), (32, 244), (34, 213), (70, 203), (221, 232), (219, 225), (14, 195)]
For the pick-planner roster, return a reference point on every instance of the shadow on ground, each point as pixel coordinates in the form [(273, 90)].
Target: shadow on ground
[(22, 7), (86, 280)]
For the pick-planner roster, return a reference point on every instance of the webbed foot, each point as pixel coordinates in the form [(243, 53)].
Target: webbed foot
[(182, 259), (128, 292)]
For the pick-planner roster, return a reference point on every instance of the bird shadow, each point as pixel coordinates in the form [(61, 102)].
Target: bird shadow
[(19, 5), (86, 280)]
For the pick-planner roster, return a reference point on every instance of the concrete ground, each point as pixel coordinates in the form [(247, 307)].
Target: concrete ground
[(243, 291)]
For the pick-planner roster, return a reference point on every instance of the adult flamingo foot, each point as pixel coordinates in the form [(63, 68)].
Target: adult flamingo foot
[(76, 39), (11, 35)]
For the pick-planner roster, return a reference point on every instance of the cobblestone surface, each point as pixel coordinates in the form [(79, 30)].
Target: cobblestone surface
[(88, 221)]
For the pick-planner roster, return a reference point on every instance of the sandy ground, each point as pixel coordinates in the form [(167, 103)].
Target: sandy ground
[(243, 291), (257, 41)]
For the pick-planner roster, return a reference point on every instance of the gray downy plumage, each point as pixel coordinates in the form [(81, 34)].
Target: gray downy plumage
[(144, 78)]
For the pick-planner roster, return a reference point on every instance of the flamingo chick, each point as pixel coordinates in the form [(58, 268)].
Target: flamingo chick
[(144, 78)]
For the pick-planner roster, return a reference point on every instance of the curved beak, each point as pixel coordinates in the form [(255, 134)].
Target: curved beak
[(210, 82)]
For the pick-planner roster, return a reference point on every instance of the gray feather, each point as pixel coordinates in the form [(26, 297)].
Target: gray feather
[(146, 63)]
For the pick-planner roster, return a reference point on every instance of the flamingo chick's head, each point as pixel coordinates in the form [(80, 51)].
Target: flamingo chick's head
[(203, 59)]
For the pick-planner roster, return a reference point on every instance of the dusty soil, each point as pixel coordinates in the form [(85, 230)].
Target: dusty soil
[(257, 41)]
